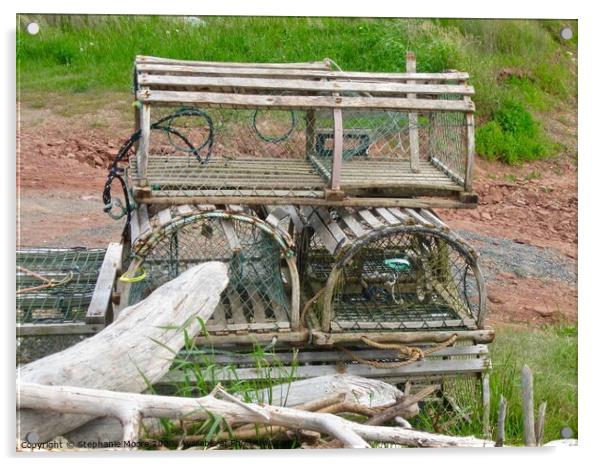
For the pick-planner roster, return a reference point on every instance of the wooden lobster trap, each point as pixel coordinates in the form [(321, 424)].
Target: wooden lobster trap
[(301, 134), (63, 296), (262, 296)]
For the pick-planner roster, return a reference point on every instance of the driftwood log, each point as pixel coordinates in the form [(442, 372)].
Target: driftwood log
[(131, 408), (135, 350)]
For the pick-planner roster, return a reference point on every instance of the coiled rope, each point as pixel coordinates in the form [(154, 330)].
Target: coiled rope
[(119, 173)]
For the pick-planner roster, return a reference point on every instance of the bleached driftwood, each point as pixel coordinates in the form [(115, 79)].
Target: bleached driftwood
[(131, 408), (370, 393), (135, 349)]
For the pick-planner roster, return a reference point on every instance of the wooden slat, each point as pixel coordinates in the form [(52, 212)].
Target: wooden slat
[(218, 318), (399, 214), (312, 65), (30, 330), (292, 73), (370, 219), (321, 356), (259, 311), (231, 236), (185, 210), (344, 325), (190, 83), (425, 368), (164, 216), (134, 227), (335, 230), (416, 216), (355, 226), (320, 229), (388, 216), (144, 141), (100, 305), (236, 306), (413, 119), (217, 99), (145, 226)]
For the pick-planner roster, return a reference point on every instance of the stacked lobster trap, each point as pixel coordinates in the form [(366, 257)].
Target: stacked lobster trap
[(316, 186)]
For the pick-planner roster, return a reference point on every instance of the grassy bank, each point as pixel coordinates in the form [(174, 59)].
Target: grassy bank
[(515, 64)]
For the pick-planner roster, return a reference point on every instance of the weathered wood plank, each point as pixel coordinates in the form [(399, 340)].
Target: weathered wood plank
[(80, 328), (168, 82), (388, 216), (100, 306), (370, 219), (216, 99), (164, 216), (418, 369), (311, 65), (413, 118), (292, 73), (349, 220), (231, 236)]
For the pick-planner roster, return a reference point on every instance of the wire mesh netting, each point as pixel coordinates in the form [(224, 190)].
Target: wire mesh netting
[(270, 152), (255, 294), (396, 280), (54, 286), (376, 147)]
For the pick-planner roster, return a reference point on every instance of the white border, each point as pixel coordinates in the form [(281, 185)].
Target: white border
[(590, 260)]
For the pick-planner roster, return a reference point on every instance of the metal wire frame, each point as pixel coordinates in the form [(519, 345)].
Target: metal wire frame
[(345, 259), (254, 264)]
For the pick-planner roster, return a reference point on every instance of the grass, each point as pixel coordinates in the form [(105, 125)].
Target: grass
[(524, 60), (550, 352)]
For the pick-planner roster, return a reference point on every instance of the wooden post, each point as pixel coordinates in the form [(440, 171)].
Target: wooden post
[(486, 406), (501, 423), (413, 118), (539, 427), (337, 155), (528, 419), (470, 150), (143, 145)]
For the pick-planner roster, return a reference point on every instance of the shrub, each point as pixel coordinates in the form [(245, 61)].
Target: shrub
[(513, 136)]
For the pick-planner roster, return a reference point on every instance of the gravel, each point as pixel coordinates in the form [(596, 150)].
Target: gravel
[(523, 260)]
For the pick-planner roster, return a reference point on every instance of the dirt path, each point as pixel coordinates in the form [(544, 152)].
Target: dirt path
[(525, 227)]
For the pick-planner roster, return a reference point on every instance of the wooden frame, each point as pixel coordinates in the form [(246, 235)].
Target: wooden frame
[(309, 87)]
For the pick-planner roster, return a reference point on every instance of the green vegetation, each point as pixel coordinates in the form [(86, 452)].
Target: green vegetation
[(524, 62), (551, 353)]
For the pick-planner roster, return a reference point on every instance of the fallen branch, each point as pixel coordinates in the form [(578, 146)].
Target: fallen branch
[(92, 402)]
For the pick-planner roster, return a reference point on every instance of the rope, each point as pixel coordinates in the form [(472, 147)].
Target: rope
[(410, 353), (48, 283), (120, 174), (275, 138)]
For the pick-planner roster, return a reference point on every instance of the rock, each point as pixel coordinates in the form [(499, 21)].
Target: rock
[(486, 216), (541, 310), (494, 298)]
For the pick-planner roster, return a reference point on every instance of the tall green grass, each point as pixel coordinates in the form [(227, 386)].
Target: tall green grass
[(523, 60), (551, 353)]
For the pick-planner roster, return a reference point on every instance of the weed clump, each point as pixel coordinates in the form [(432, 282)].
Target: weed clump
[(513, 136)]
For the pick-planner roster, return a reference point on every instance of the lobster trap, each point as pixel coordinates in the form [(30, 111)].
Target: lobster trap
[(263, 290), (300, 133), (63, 296), (386, 270)]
